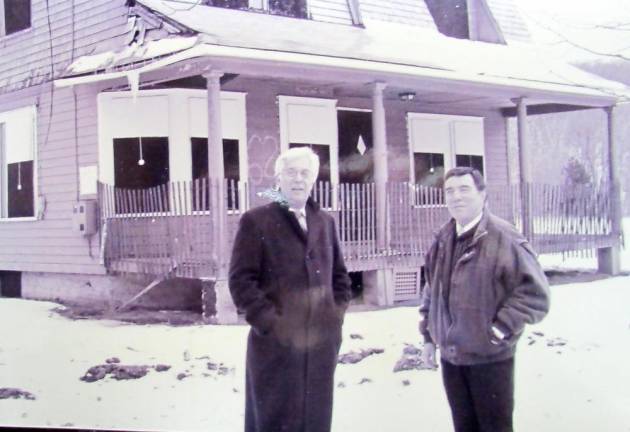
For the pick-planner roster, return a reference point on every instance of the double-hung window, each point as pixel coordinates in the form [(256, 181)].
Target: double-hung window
[(438, 143), (17, 163), (15, 15)]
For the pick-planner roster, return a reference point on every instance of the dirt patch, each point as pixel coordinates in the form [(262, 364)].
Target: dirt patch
[(411, 359), (135, 316), (117, 371), (15, 393), (356, 356), (562, 277)]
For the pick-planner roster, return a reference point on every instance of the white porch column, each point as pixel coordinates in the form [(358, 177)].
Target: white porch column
[(380, 163), (609, 259), (524, 166), (226, 311)]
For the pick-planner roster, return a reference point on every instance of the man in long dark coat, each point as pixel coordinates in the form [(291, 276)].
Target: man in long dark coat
[(288, 276)]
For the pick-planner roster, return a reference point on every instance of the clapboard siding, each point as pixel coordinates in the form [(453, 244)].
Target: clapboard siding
[(495, 137), (91, 25), (50, 244), (508, 16), (334, 11), (411, 12)]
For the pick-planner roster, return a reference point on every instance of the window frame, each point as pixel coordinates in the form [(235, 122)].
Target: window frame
[(174, 108), (3, 33), (450, 153), (5, 118)]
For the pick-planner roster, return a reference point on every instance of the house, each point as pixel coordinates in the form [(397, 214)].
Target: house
[(135, 133)]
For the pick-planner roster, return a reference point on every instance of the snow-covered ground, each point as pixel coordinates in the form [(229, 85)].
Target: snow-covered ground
[(581, 385)]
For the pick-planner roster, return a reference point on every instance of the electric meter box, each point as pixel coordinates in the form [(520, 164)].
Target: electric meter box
[(84, 217)]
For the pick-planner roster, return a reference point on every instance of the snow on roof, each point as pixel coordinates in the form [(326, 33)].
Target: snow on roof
[(389, 44)]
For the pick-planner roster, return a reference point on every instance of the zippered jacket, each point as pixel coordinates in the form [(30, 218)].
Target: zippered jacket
[(497, 281)]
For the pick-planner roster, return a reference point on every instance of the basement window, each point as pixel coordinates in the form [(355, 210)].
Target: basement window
[(15, 15)]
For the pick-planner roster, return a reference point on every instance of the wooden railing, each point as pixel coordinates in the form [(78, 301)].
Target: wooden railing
[(168, 229)]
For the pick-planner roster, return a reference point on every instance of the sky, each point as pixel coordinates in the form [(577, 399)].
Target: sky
[(601, 26)]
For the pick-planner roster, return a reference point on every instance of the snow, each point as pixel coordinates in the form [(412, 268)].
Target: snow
[(379, 47), (578, 386)]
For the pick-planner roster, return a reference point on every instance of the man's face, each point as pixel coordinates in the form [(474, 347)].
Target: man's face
[(463, 199), (296, 180)]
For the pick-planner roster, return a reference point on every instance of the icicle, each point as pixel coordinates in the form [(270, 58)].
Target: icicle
[(133, 78), (141, 160)]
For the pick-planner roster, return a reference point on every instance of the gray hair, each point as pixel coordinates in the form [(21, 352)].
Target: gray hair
[(296, 153)]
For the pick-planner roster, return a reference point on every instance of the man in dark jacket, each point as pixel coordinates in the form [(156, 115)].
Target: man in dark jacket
[(484, 284), (288, 276)]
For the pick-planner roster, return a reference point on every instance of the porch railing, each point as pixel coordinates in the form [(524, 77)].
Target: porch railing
[(168, 229)]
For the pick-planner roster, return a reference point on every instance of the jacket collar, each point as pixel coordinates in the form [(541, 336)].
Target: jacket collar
[(448, 229)]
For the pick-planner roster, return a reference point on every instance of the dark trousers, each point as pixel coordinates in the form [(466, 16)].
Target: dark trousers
[(481, 396)]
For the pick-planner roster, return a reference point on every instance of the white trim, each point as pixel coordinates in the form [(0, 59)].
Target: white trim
[(450, 122), (175, 125), (6, 118), (450, 153), (327, 134), (354, 109)]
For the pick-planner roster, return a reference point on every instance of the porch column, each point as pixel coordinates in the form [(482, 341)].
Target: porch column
[(380, 163), (524, 167), (226, 311), (608, 259)]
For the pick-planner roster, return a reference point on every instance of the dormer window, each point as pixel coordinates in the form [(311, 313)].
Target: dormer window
[(292, 8), (450, 17), (15, 15)]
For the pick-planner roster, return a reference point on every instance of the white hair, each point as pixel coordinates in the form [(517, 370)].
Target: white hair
[(297, 153)]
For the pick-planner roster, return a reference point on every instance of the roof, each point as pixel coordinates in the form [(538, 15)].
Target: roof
[(379, 47)]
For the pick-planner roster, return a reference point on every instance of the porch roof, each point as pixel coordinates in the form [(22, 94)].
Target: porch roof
[(405, 56)]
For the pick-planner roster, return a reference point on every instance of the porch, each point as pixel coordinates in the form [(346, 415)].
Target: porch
[(173, 230)]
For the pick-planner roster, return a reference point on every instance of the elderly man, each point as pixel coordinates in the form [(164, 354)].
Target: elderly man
[(484, 284), (287, 274)]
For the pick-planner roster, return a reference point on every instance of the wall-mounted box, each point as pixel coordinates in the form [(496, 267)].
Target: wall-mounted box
[(84, 217)]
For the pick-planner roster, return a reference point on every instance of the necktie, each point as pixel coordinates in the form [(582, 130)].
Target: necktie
[(301, 218)]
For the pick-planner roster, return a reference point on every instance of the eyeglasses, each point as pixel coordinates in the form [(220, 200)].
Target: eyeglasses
[(293, 173)]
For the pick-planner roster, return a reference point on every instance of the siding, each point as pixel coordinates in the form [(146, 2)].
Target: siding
[(26, 57), (508, 16), (50, 244), (66, 133), (411, 12), (333, 11)]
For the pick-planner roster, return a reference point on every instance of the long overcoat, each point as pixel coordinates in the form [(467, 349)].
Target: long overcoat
[(294, 289)]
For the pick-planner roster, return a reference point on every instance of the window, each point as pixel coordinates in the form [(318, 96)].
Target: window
[(141, 163), (15, 15), (173, 126), (439, 143), (450, 17), (17, 168), (429, 169), (292, 8), (231, 169)]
